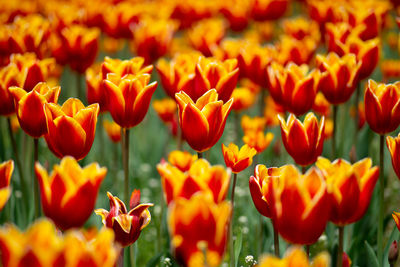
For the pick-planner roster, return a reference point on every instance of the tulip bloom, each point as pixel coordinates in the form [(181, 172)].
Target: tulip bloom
[(255, 124), (236, 159), (166, 109), (301, 28), (393, 144), (6, 170), (199, 227), (127, 226), (202, 122), (123, 67), (243, 98), (350, 188), (95, 90), (257, 140), (182, 160), (129, 98), (396, 218), (68, 195), (29, 106), (339, 76), (236, 12), (303, 141), (9, 76), (382, 108), (297, 256), (200, 177), (268, 9), (71, 128), (289, 49), (113, 130), (300, 204)]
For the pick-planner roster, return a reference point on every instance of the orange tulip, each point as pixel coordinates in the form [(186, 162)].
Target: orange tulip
[(9, 76), (236, 12), (289, 49), (198, 228), (236, 159), (127, 226), (182, 160), (69, 194), (200, 177), (123, 67), (113, 130), (271, 110), (6, 170), (296, 256), (339, 76), (293, 87), (95, 89), (255, 124), (257, 140), (300, 204), (301, 28), (29, 107), (396, 218), (350, 188), (166, 109), (71, 128), (268, 9), (393, 144), (243, 98), (259, 186), (390, 68), (382, 108), (202, 122), (303, 141), (129, 97), (321, 106)]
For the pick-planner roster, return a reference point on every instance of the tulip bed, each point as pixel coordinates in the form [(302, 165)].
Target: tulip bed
[(199, 133)]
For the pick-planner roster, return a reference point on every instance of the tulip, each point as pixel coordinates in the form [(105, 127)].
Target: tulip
[(297, 256), (200, 177), (271, 112), (255, 124), (69, 194), (236, 159), (300, 204), (393, 253), (236, 12), (71, 128), (202, 122), (393, 146), (9, 76), (293, 87), (182, 160), (321, 106), (382, 109), (95, 89), (129, 98), (346, 261), (166, 109), (289, 49), (29, 106), (243, 98), (113, 130), (390, 69), (123, 67), (396, 218), (127, 226), (257, 140), (350, 186), (339, 76), (303, 141), (6, 170), (199, 228), (300, 28), (268, 9)]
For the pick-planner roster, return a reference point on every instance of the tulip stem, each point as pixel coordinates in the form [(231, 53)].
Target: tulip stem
[(357, 118), (125, 161), (308, 251), (120, 260), (19, 165), (35, 181), (200, 155), (78, 87), (335, 109), (232, 252), (339, 259), (276, 241), (381, 198)]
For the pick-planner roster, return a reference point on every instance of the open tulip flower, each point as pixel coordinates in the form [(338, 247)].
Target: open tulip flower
[(29, 107), (382, 108), (129, 97), (293, 87), (236, 159), (301, 28), (350, 188), (257, 140), (393, 144), (123, 67), (339, 76), (300, 204), (202, 122), (200, 177), (6, 170), (198, 228), (68, 195), (42, 245), (182, 160), (303, 141), (296, 256), (9, 76), (290, 49), (71, 128)]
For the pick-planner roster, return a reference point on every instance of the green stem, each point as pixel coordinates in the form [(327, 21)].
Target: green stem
[(308, 251), (339, 259), (381, 199), (276, 241), (357, 118), (132, 255), (262, 97), (232, 249), (335, 109), (35, 181), (125, 161), (78, 87)]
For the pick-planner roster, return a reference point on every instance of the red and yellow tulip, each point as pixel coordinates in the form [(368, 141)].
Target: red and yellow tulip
[(6, 170), (257, 140), (182, 160), (236, 159), (113, 130)]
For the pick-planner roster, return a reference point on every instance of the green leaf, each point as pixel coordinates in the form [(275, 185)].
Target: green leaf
[(238, 247), (373, 260), (393, 236), (155, 260)]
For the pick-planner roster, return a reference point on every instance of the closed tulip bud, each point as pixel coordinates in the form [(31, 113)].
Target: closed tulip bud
[(200, 177), (350, 188), (127, 225), (198, 228), (297, 256), (71, 128), (68, 195), (202, 122), (29, 107), (382, 108), (9, 76), (346, 261), (268, 9), (393, 253), (236, 159), (113, 130), (257, 140), (6, 170), (303, 141), (183, 160), (339, 76), (129, 98), (300, 204)]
